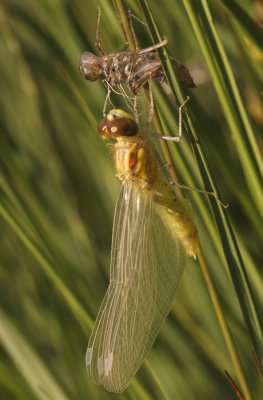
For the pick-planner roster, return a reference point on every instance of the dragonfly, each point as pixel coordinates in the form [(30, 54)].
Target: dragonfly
[(153, 233), (134, 68)]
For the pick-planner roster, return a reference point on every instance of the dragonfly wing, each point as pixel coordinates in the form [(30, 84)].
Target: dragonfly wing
[(142, 73), (146, 268)]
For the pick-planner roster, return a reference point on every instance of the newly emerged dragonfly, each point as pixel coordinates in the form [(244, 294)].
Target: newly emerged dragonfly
[(134, 68), (153, 232)]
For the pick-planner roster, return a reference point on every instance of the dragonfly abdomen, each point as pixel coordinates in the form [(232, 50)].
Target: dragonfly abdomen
[(176, 214)]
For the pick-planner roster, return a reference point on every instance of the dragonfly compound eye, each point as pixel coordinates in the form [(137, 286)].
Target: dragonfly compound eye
[(89, 66), (121, 127), (120, 123), (103, 129), (116, 124)]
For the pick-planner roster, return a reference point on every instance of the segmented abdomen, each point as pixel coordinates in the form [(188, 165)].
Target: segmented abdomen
[(176, 214)]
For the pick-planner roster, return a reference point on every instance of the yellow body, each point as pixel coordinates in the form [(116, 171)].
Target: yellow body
[(152, 233), (135, 164)]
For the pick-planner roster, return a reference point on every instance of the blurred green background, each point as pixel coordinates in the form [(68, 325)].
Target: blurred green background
[(58, 192)]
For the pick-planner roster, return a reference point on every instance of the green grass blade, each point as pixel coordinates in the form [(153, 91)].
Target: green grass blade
[(229, 96), (236, 265), (58, 190), (48, 267), (28, 362), (248, 25), (200, 17)]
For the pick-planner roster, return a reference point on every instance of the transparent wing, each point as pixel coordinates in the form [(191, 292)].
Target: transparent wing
[(146, 267)]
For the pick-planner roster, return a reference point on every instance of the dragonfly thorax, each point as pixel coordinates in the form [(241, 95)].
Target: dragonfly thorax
[(134, 162)]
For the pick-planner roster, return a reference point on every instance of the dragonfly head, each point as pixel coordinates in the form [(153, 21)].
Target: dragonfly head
[(89, 66), (117, 123)]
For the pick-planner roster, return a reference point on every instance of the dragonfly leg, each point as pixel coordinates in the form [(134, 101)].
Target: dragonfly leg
[(130, 15), (180, 124), (203, 191), (180, 121), (135, 111), (151, 111), (165, 168), (98, 36), (107, 98), (126, 45), (125, 33), (154, 46)]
